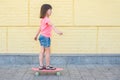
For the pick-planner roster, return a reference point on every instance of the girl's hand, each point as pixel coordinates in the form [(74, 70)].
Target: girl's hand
[(60, 33), (35, 38)]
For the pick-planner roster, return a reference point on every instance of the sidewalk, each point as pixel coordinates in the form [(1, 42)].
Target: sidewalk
[(70, 72)]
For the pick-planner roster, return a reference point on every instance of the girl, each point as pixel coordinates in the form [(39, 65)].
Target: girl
[(45, 34)]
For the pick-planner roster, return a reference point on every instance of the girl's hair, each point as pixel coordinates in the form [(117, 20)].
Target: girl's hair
[(44, 9)]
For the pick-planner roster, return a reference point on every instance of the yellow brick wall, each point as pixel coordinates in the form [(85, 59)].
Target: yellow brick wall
[(97, 12), (89, 26), (109, 40), (13, 12)]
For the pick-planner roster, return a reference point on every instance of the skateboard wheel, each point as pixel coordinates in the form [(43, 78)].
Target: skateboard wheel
[(58, 73), (37, 73)]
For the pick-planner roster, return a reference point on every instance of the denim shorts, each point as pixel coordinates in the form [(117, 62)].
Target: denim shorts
[(44, 41)]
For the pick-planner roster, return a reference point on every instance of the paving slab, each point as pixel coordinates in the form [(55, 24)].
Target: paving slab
[(70, 72)]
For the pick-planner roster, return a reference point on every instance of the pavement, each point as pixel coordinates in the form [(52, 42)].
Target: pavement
[(70, 72)]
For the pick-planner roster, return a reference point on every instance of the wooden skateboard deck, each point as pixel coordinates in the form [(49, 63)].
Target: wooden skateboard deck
[(37, 71)]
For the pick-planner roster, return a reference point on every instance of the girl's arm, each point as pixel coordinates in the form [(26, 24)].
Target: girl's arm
[(55, 29), (37, 34)]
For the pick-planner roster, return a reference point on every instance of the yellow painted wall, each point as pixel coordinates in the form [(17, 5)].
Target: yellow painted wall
[(89, 26)]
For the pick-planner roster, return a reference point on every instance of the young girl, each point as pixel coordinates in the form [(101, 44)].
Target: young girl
[(45, 34)]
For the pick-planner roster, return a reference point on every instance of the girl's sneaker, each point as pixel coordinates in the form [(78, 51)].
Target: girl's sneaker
[(50, 68), (41, 67)]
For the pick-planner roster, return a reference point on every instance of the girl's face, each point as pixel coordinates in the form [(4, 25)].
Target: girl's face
[(49, 11)]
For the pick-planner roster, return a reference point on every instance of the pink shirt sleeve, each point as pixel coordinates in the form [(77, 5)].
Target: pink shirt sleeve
[(47, 20)]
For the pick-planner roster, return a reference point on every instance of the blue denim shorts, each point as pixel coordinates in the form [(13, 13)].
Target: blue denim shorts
[(44, 41)]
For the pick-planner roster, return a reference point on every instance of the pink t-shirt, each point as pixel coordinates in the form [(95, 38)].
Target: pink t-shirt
[(45, 28)]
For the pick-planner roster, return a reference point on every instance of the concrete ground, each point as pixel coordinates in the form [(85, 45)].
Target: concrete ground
[(70, 72)]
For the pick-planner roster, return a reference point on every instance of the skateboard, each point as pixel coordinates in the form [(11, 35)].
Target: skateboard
[(38, 72)]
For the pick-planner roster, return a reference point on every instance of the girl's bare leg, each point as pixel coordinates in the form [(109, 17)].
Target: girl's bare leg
[(41, 55), (47, 51)]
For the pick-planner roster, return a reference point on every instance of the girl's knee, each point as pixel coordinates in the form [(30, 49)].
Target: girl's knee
[(47, 48), (42, 50)]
